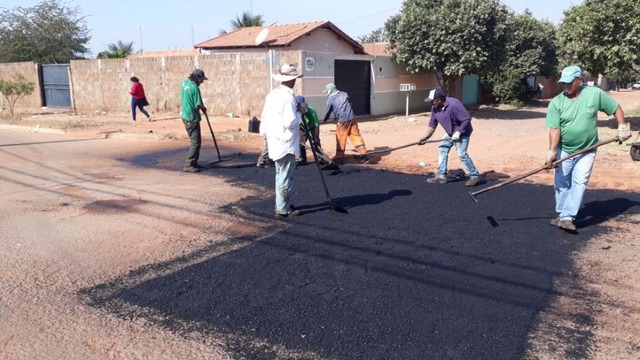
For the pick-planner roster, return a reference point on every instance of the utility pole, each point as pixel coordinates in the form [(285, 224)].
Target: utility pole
[(141, 47)]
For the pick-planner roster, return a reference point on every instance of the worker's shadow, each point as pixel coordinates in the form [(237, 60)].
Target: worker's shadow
[(348, 202), (596, 212)]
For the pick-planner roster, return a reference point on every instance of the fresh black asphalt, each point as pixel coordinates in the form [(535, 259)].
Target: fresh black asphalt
[(413, 271)]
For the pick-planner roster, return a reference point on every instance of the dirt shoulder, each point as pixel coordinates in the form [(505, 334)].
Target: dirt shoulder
[(505, 142)]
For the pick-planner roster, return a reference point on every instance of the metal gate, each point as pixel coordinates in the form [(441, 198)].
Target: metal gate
[(55, 85), (354, 78)]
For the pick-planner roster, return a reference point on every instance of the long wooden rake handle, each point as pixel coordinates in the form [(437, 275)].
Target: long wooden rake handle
[(399, 147), (534, 171)]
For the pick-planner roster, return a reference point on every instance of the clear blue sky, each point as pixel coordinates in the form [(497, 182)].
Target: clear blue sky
[(171, 24)]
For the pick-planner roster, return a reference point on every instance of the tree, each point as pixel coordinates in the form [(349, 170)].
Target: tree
[(376, 36), (15, 89), (117, 51), (449, 38), (602, 37), (530, 51), (246, 20), (46, 33)]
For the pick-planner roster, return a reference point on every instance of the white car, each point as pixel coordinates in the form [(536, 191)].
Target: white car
[(636, 86)]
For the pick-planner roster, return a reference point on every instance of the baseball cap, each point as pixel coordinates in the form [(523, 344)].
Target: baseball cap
[(569, 74), (300, 100), (199, 72), (435, 94), (329, 88)]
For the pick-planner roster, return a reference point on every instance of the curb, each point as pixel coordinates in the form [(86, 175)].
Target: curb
[(35, 129), (149, 136)]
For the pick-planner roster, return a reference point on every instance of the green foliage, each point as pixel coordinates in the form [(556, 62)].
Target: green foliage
[(603, 37), (247, 20), (46, 33), (117, 50), (508, 86), (376, 36), (530, 51), (449, 38), (15, 89)]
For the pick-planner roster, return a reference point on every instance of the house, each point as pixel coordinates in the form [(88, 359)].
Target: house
[(326, 54), (320, 36)]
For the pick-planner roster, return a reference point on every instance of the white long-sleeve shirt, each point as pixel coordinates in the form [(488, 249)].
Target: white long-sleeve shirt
[(280, 123)]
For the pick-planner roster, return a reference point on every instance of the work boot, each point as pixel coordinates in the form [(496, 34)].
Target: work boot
[(191, 169), (292, 212), (567, 225), (437, 180), (555, 222), (473, 181)]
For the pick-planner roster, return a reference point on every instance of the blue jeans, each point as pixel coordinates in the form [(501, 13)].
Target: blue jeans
[(134, 105), (284, 183), (570, 183), (461, 148)]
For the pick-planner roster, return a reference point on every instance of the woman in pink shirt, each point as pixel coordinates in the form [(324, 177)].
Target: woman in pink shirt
[(138, 99)]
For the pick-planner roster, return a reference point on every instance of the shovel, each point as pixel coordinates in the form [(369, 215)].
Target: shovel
[(534, 171), (328, 201)]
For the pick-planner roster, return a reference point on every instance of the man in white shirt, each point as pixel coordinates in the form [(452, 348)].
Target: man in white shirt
[(281, 126)]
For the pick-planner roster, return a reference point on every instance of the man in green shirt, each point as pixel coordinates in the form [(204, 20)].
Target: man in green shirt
[(311, 120), (191, 104), (572, 119)]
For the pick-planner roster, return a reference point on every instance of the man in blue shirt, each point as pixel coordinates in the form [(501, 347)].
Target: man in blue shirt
[(456, 122), (339, 104)]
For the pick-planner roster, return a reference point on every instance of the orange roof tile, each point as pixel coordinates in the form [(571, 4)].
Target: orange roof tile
[(376, 49), (279, 35)]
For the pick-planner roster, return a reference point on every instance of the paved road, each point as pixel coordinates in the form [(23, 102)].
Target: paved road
[(412, 271)]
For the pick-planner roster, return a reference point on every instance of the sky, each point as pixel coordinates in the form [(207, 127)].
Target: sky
[(175, 25)]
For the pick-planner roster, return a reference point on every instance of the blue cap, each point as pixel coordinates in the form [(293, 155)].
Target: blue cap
[(435, 94), (300, 100), (569, 74)]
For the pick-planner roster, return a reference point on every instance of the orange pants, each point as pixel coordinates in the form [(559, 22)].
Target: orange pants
[(350, 130)]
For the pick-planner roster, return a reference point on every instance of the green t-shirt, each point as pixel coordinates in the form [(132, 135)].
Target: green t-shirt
[(190, 99), (577, 119), (310, 118)]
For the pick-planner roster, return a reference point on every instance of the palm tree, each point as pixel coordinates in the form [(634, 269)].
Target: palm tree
[(117, 50), (246, 20)]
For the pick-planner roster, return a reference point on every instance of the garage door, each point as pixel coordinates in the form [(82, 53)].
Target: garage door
[(354, 78)]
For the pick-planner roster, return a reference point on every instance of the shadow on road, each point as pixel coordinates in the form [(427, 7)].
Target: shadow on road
[(413, 271)]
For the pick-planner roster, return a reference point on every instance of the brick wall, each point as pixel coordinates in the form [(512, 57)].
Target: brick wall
[(30, 72), (238, 83)]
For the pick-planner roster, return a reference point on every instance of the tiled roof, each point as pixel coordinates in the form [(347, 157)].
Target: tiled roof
[(376, 49), (279, 35)]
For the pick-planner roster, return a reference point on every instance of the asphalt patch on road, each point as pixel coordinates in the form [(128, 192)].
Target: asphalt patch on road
[(414, 270)]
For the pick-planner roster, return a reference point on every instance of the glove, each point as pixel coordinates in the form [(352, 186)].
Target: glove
[(455, 136), (426, 136), (624, 132), (552, 156)]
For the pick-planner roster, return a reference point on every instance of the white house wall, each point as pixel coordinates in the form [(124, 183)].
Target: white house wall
[(386, 97)]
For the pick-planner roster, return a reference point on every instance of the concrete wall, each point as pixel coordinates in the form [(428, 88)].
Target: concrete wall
[(238, 82), (387, 98), (30, 72)]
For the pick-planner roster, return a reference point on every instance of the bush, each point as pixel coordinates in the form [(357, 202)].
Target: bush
[(15, 89), (508, 86)]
